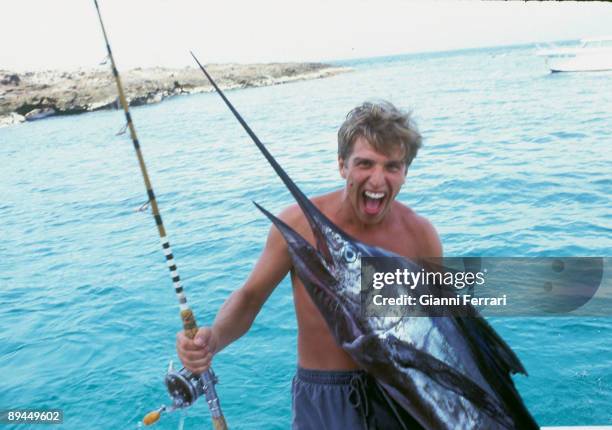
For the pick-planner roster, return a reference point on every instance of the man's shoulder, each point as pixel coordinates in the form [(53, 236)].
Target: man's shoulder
[(407, 215), (291, 214), (294, 216), (421, 227)]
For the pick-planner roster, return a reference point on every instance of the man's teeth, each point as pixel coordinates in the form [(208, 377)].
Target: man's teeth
[(373, 195)]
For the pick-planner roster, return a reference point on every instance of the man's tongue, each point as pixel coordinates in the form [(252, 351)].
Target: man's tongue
[(372, 206)]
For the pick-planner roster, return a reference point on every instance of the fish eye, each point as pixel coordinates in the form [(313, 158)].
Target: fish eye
[(349, 254)]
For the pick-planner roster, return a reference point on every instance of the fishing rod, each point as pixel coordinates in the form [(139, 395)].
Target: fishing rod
[(183, 386)]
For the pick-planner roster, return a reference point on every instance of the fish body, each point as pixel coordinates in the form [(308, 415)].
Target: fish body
[(447, 372)]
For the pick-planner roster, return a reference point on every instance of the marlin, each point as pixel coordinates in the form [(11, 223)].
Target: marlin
[(447, 372)]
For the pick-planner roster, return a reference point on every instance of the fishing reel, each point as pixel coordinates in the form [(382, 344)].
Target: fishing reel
[(184, 388)]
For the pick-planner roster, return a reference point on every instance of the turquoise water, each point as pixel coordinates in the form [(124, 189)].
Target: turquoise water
[(516, 162)]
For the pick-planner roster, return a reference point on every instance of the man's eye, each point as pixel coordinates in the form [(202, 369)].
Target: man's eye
[(364, 163)]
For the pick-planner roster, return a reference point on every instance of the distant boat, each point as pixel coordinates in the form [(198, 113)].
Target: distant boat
[(592, 55)]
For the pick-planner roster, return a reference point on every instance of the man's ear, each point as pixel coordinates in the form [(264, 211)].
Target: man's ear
[(342, 167)]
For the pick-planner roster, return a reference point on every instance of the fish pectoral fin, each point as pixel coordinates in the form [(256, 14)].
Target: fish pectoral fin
[(355, 347), (366, 349), (407, 356)]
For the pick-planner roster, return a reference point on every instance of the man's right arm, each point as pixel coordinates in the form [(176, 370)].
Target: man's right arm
[(240, 309)]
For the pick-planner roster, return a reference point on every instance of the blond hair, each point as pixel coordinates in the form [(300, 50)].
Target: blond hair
[(384, 126)]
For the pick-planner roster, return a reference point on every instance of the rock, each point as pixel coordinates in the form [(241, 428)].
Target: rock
[(149, 98), (178, 88), (11, 119), (35, 114), (157, 97), (104, 104), (12, 79), (36, 95)]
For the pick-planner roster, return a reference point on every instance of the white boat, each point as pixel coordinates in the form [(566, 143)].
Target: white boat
[(592, 55)]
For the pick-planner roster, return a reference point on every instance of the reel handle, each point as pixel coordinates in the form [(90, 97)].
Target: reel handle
[(151, 418)]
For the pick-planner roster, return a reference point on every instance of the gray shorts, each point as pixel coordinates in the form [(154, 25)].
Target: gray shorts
[(333, 400)]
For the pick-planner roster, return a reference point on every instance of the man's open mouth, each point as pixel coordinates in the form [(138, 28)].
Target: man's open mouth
[(373, 202)]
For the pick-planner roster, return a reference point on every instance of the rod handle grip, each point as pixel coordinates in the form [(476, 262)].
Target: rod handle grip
[(219, 423), (190, 327)]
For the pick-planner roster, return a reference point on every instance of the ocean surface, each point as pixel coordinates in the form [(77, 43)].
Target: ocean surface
[(516, 162)]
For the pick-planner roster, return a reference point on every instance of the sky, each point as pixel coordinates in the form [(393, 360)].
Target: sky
[(65, 34)]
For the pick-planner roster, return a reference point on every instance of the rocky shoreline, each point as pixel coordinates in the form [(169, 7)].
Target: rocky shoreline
[(30, 96)]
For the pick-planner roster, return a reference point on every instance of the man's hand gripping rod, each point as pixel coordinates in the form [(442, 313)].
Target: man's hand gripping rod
[(184, 387)]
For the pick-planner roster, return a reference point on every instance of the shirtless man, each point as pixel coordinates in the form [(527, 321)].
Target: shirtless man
[(376, 144)]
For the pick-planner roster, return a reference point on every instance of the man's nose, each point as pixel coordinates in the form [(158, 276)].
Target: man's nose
[(377, 177)]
